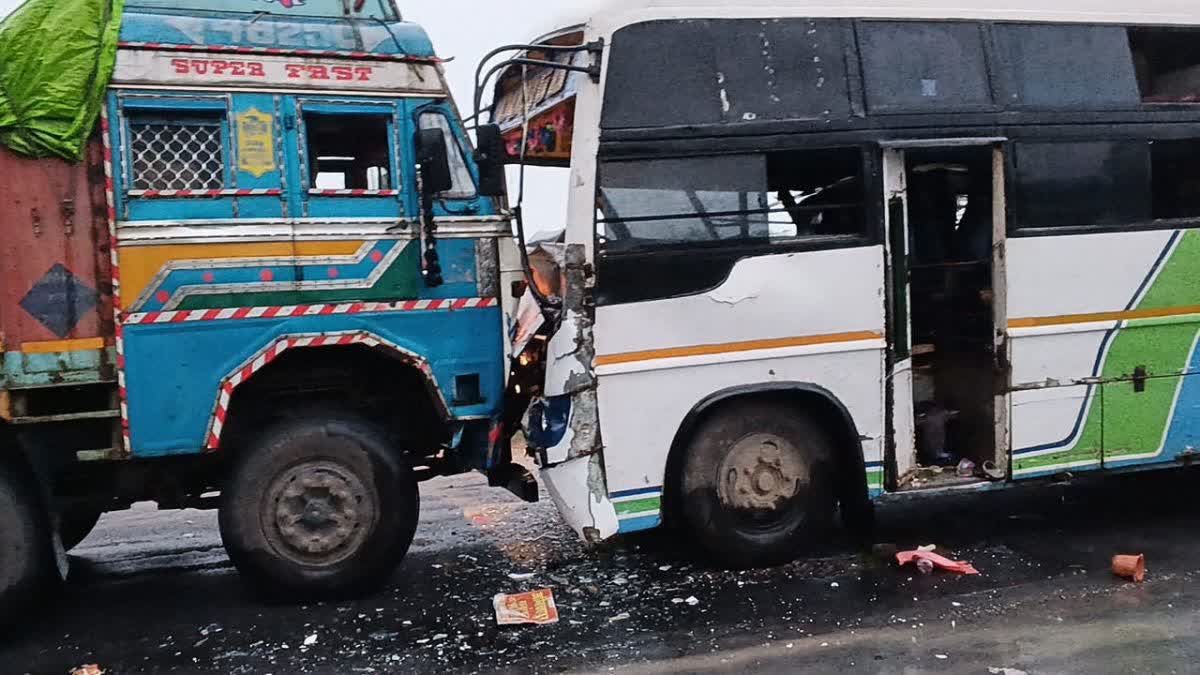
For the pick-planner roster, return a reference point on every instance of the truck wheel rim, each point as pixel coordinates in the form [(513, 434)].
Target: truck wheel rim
[(761, 480), (318, 513)]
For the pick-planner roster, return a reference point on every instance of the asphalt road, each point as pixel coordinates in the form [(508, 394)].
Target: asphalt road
[(153, 592)]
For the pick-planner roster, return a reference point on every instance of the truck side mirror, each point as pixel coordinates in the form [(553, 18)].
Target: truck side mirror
[(490, 158), (434, 161)]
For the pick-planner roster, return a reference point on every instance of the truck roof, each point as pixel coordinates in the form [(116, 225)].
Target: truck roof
[(146, 25)]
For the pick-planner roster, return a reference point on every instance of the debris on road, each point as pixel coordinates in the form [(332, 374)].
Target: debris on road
[(522, 576), (941, 562), (89, 669), (1131, 567), (535, 607), (310, 640)]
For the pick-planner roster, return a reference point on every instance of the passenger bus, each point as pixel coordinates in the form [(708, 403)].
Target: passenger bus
[(816, 255)]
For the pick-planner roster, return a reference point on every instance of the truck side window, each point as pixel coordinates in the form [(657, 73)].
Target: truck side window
[(464, 184), (348, 152), (177, 153)]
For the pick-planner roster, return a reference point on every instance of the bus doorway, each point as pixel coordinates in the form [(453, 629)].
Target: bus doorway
[(948, 404)]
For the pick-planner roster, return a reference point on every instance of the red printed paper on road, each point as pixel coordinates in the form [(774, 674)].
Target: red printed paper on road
[(535, 607)]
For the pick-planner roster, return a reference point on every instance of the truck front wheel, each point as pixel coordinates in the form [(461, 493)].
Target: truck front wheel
[(318, 509), (26, 554)]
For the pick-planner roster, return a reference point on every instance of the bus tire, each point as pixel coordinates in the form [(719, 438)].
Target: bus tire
[(316, 509), (757, 486), (75, 524), (27, 561)]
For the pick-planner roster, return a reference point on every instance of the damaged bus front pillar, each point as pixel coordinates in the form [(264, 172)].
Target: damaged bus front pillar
[(564, 427)]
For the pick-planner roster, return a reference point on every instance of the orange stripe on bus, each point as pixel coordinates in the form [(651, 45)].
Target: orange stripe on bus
[(1100, 317), (735, 347)]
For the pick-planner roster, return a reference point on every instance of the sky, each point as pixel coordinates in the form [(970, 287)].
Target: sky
[(465, 30)]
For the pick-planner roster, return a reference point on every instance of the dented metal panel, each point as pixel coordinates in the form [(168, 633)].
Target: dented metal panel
[(55, 282)]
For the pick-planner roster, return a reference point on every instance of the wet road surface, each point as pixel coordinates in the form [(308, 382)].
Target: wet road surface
[(153, 592)]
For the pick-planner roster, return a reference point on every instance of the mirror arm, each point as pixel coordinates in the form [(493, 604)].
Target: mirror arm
[(431, 265)]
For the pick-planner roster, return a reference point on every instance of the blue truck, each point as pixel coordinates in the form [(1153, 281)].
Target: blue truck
[(268, 283)]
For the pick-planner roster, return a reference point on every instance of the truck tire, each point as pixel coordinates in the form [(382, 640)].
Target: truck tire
[(75, 524), (757, 485), (27, 561), (319, 509)]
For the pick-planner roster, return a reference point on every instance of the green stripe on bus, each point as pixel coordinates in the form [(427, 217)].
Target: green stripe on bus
[(649, 504)]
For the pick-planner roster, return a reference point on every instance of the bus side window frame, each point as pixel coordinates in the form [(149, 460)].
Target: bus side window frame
[(870, 207), (1083, 134)]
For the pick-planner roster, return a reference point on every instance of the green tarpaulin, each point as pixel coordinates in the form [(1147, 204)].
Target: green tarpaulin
[(56, 57)]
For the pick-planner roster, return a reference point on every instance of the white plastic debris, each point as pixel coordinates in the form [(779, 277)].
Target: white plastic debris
[(692, 601), (521, 576), (310, 640)]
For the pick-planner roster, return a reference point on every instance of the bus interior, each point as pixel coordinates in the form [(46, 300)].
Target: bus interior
[(950, 225)]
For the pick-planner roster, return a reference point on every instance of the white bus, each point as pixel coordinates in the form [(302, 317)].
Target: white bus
[(819, 254)]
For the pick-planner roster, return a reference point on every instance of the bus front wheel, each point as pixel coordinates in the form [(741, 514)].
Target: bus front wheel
[(320, 508), (757, 486)]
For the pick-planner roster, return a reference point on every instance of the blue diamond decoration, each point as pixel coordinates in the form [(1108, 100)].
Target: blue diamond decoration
[(59, 300)]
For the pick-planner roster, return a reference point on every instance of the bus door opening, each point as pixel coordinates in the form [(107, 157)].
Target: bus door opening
[(952, 320)]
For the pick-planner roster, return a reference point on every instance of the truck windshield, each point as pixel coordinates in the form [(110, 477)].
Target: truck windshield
[(370, 9)]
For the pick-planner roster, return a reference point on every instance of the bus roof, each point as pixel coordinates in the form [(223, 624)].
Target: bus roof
[(612, 15)]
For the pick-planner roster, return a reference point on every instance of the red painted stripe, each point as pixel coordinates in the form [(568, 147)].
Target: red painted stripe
[(461, 304), (180, 317), (242, 312)]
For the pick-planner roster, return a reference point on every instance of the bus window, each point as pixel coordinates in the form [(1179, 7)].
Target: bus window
[(1066, 66), (719, 71), (765, 198), (910, 65), (1168, 64), (1175, 178), (1090, 184)]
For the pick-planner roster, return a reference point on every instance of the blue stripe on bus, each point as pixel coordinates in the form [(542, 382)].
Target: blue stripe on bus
[(640, 524)]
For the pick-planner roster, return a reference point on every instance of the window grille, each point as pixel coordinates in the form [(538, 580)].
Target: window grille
[(177, 155)]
